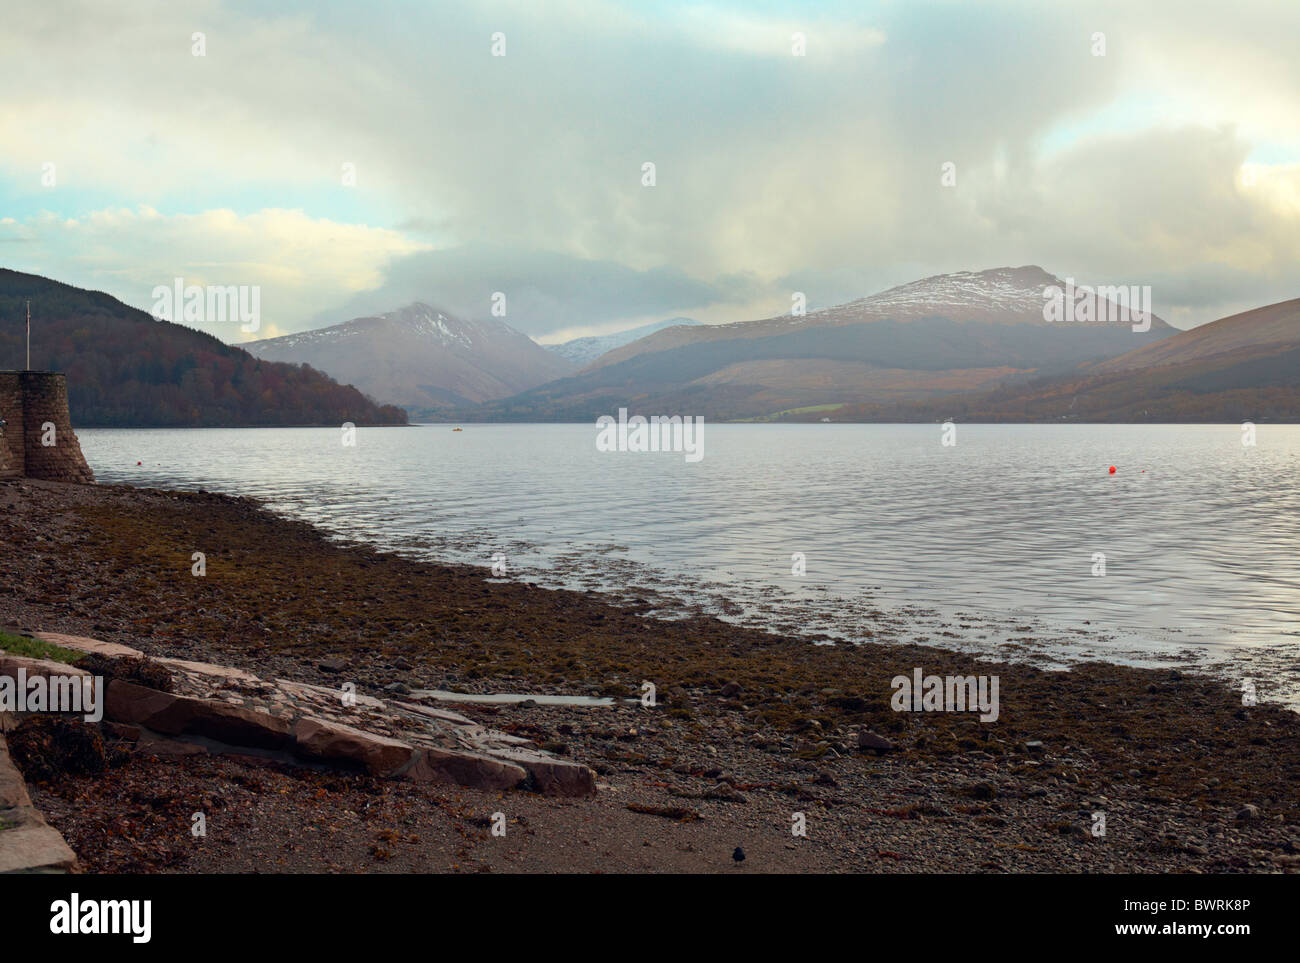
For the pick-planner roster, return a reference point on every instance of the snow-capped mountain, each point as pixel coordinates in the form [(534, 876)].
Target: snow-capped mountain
[(583, 351), (1000, 293), (996, 296), (421, 358), (966, 331)]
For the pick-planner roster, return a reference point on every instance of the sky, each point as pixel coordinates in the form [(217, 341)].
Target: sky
[(348, 158)]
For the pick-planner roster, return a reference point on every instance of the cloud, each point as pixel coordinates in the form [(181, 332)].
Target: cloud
[(821, 171), (544, 291), (300, 263), (1166, 207), (742, 31)]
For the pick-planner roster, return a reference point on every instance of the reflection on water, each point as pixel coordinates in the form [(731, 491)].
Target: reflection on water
[(991, 543)]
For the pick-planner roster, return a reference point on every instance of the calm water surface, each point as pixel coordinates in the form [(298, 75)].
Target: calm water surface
[(987, 545)]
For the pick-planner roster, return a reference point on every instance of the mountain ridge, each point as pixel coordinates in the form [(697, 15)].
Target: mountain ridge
[(996, 295), (583, 351), (940, 335), (420, 357), (1245, 367), (126, 368)]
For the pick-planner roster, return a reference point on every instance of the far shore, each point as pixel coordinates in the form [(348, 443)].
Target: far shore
[(749, 729)]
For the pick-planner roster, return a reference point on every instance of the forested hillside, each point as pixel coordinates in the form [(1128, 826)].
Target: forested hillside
[(126, 369)]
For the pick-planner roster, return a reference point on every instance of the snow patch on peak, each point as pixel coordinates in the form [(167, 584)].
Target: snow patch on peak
[(427, 321), (1013, 290)]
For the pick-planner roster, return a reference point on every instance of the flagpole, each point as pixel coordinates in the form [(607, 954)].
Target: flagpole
[(29, 334)]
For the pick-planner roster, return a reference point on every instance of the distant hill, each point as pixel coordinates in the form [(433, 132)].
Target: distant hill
[(1261, 332), (126, 369), (941, 335), (1241, 368), (583, 351), (426, 360)]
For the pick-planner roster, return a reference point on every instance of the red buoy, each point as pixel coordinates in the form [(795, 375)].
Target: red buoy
[(1112, 469)]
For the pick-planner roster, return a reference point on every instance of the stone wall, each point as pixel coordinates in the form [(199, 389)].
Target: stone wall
[(37, 440), (11, 434)]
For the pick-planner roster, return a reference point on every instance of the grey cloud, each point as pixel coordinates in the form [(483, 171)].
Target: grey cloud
[(774, 173), (545, 291)]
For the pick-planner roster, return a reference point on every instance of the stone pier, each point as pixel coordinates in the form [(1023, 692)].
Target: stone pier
[(36, 436)]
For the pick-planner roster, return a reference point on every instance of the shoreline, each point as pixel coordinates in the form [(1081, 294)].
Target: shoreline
[(749, 728)]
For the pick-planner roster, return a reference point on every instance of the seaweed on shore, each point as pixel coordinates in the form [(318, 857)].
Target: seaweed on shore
[(47, 747), (134, 669)]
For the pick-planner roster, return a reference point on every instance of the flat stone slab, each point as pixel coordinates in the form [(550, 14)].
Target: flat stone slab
[(489, 740), (27, 843), (442, 715), (551, 776), (223, 673), (13, 788), (469, 769), (83, 644), (378, 755), (407, 740), (306, 690), (176, 715), (511, 698), (10, 664), (34, 847)]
